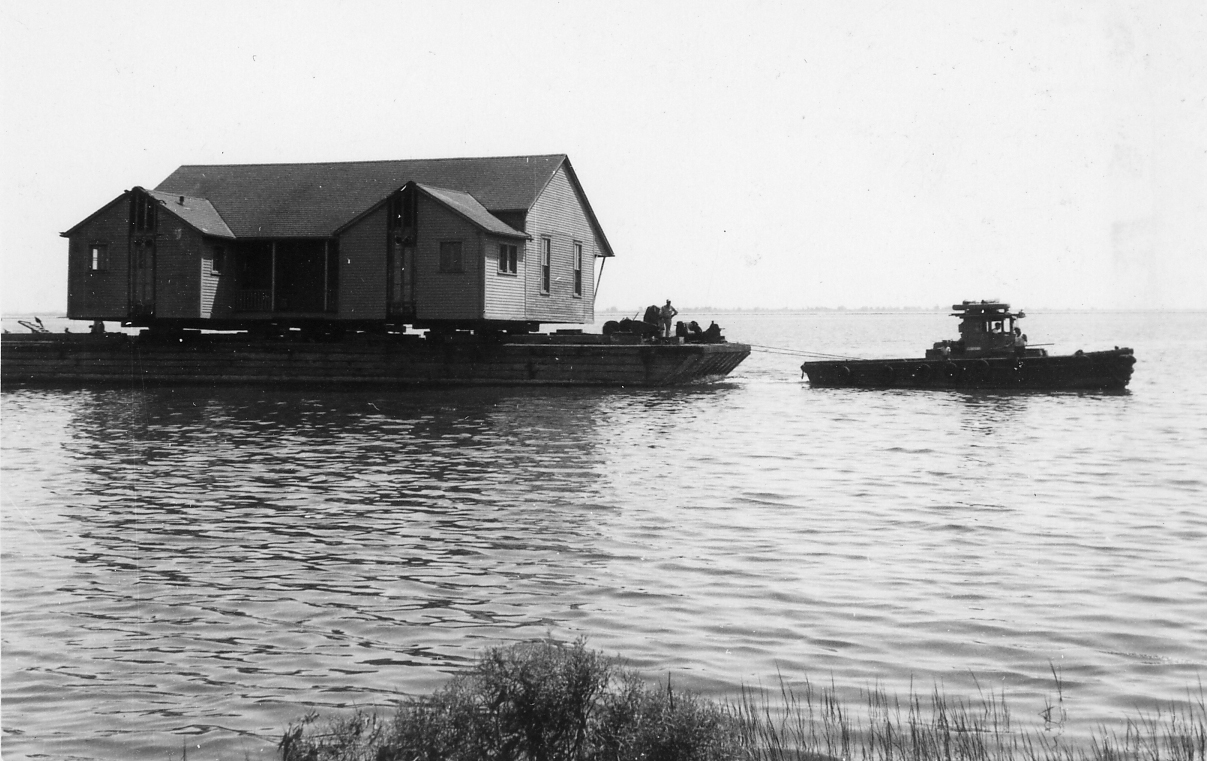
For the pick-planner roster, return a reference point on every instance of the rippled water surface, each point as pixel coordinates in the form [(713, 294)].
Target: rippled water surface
[(193, 568)]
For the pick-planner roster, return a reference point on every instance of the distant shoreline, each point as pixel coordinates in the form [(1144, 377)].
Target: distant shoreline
[(884, 310), (609, 311)]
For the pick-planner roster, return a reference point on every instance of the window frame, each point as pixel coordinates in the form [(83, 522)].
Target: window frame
[(509, 259), (98, 257), (452, 259), (546, 264), (217, 260), (577, 254)]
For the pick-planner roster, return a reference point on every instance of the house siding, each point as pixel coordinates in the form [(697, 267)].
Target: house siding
[(177, 269), (558, 214), (504, 293), (447, 295), (362, 269), (219, 290), (100, 295)]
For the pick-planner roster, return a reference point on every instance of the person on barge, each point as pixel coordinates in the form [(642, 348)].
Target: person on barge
[(668, 316)]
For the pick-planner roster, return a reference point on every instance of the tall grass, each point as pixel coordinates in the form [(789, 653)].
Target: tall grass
[(546, 701)]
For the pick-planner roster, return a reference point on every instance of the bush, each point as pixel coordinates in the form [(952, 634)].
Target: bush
[(539, 701), (545, 701)]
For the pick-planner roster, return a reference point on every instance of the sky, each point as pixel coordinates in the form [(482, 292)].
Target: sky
[(1051, 154)]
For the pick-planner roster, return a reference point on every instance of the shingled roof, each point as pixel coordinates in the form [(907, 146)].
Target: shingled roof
[(198, 212), (467, 206), (314, 200)]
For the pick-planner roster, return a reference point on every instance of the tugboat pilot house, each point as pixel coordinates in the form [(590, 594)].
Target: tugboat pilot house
[(504, 243)]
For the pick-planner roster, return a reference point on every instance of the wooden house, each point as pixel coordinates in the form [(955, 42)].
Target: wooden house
[(506, 242)]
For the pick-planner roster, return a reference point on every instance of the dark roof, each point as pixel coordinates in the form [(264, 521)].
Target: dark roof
[(314, 200), (467, 206), (197, 212)]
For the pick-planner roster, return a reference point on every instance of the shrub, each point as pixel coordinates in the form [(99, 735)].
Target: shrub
[(545, 701), (538, 701)]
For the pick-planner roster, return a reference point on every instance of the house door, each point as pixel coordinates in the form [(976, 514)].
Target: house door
[(402, 279), (142, 277)]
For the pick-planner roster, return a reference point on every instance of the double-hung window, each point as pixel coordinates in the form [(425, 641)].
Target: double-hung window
[(546, 269), (508, 259), (98, 257), (578, 268), (219, 260), (450, 256)]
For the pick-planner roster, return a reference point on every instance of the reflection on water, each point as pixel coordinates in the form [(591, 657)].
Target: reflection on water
[(205, 564)]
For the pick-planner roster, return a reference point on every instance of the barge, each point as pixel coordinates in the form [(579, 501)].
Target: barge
[(991, 353), (119, 359), (387, 273)]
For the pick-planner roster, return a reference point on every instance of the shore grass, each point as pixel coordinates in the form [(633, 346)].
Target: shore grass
[(549, 701)]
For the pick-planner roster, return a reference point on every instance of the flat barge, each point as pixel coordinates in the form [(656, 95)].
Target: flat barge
[(991, 353), (54, 359)]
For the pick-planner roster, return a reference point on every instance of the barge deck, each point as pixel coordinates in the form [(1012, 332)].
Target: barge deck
[(55, 359)]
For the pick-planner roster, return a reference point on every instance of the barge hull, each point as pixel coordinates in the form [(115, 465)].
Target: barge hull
[(1088, 370), (118, 359)]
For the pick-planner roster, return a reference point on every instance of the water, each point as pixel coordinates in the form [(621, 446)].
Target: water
[(191, 569)]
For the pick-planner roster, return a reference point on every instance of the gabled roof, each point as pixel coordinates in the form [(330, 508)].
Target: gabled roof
[(198, 212), (71, 230), (467, 206), (195, 212), (314, 200)]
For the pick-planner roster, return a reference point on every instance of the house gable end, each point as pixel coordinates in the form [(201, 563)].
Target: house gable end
[(83, 222), (601, 239)]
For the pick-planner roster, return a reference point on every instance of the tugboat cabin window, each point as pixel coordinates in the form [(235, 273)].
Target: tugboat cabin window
[(98, 257), (508, 259), (450, 256)]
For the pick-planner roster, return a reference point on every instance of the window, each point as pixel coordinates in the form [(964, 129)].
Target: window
[(219, 260), (98, 257), (450, 256), (546, 251), (578, 268), (508, 259)]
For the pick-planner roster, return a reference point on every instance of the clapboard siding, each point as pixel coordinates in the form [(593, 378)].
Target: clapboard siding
[(362, 269), (177, 269), (219, 290), (102, 295), (504, 298), (209, 282), (447, 295), (559, 215)]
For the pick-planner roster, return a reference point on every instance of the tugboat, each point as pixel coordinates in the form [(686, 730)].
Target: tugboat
[(991, 352)]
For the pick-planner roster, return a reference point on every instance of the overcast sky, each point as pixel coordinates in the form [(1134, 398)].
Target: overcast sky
[(797, 154)]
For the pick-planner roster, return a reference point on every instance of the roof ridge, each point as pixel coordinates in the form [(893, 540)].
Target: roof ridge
[(384, 161)]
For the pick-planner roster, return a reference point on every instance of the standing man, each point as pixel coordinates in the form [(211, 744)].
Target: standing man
[(668, 315)]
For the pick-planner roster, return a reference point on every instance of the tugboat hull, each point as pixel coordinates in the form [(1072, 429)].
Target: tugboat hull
[(1084, 370)]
